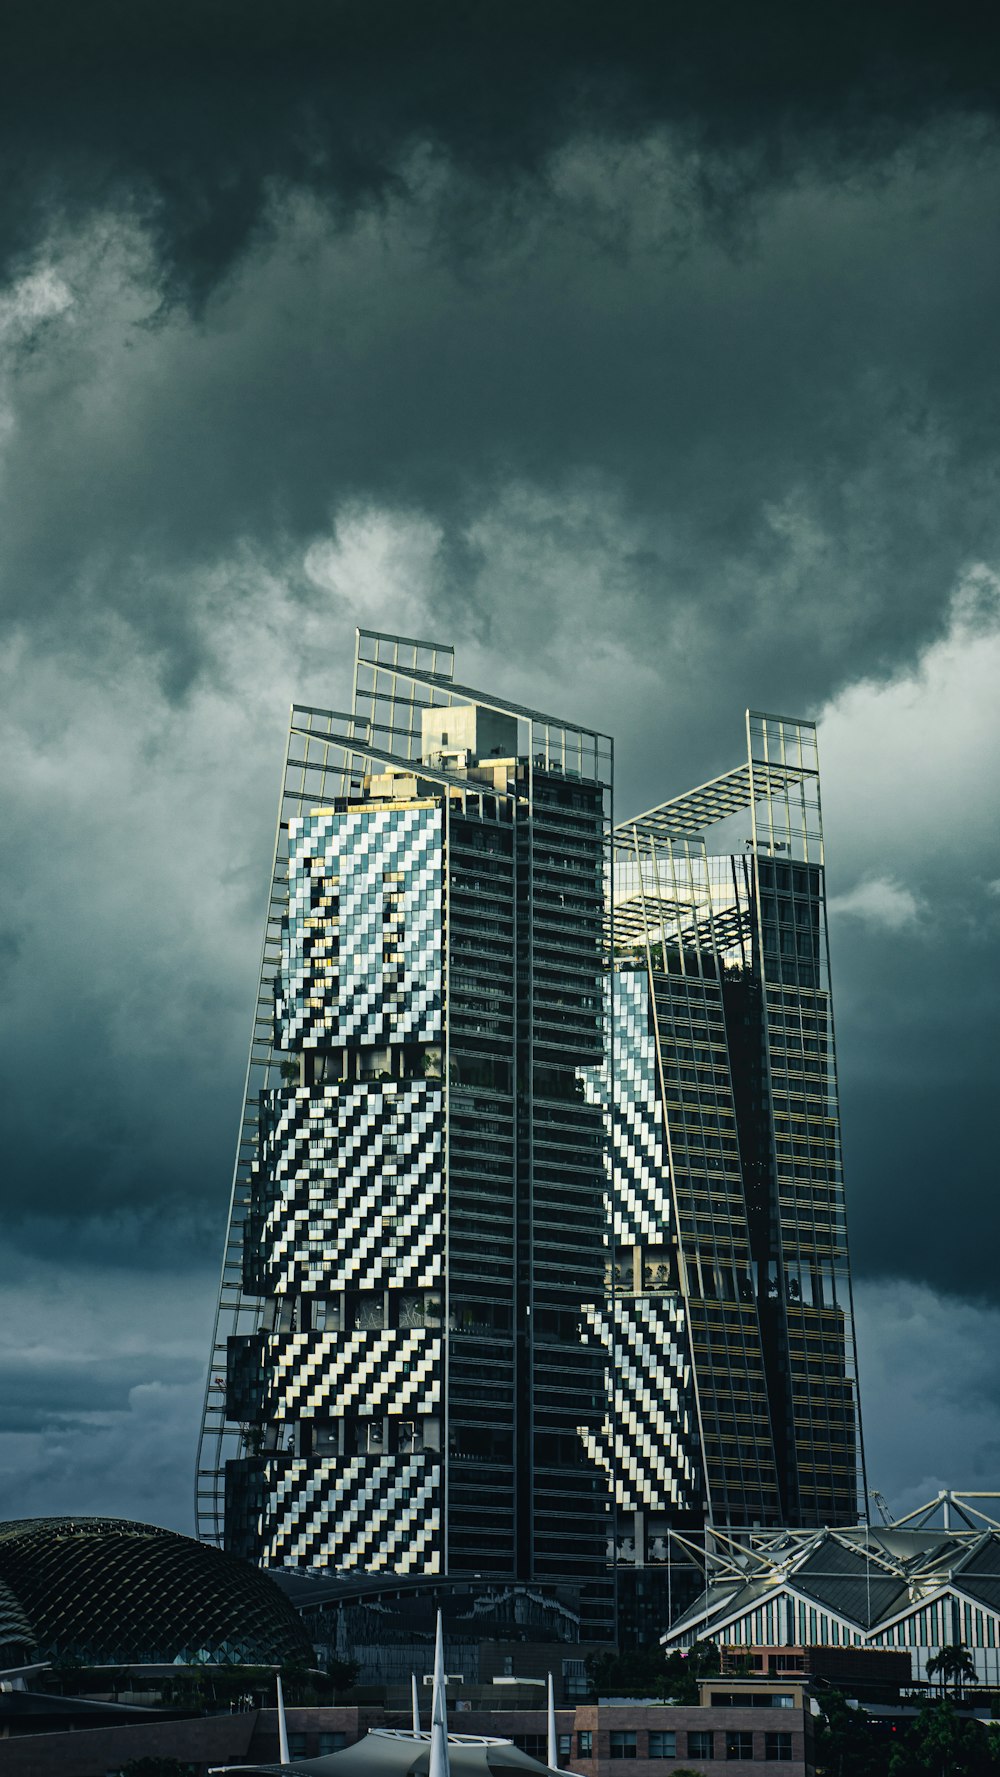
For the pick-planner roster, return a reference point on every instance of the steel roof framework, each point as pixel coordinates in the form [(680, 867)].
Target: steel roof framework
[(756, 1567)]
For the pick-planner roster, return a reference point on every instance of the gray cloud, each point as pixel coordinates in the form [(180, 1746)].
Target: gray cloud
[(193, 117), (660, 392), (754, 444), (929, 1392), (101, 1379), (909, 766)]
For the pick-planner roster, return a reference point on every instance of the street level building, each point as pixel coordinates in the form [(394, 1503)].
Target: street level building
[(401, 1376), (761, 1728), (769, 1732)]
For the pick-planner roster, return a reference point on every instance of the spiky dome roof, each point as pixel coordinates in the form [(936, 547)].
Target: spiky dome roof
[(110, 1592)]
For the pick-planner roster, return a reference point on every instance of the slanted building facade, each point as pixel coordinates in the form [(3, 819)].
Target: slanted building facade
[(728, 1317), (537, 1250), (401, 1373)]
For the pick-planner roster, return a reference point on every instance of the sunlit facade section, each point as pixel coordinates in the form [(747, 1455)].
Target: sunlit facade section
[(403, 1379), (721, 967)]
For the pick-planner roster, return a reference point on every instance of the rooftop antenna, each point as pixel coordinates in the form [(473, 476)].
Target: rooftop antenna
[(283, 1753), (438, 1763), (552, 1755)]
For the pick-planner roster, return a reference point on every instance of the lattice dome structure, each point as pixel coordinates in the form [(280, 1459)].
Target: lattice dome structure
[(110, 1592)]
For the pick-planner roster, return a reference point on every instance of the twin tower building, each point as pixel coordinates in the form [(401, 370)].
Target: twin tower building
[(537, 1251)]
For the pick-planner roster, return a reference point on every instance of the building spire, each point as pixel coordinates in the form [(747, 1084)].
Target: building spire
[(283, 1754), (438, 1764), (552, 1754)]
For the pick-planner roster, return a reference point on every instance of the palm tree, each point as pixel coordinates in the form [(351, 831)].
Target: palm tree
[(954, 1668)]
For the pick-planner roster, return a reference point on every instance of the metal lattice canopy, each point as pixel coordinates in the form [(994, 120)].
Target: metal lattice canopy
[(696, 810)]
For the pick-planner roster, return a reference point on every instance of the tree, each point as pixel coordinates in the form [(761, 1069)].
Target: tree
[(686, 1668), (954, 1667), (649, 1672), (631, 1672), (185, 1690), (343, 1674), (845, 1744), (941, 1744)]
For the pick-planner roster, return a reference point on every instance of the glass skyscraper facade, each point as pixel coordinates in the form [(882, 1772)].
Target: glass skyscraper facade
[(537, 1250), (401, 1368), (727, 1318)]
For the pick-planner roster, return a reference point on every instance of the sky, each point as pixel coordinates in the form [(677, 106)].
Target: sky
[(646, 354)]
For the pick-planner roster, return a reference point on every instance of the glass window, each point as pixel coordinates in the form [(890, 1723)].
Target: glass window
[(535, 1745), (622, 1743), (662, 1745), (739, 1745), (331, 1742), (585, 1743), (564, 1744), (700, 1744), (778, 1746), (576, 1685)]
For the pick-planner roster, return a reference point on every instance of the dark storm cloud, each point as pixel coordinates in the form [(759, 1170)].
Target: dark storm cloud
[(56, 1393), (101, 1378), (192, 112), (799, 442), (930, 1401), (669, 483), (648, 356)]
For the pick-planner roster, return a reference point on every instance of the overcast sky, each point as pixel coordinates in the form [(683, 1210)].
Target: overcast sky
[(649, 355)]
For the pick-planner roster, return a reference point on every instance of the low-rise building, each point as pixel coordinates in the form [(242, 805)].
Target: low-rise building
[(916, 1586), (766, 1728)]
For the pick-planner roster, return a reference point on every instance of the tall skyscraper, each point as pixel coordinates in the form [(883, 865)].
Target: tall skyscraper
[(728, 1318), (537, 1251), (401, 1372)]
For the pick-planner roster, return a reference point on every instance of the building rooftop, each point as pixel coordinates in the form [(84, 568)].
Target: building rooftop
[(866, 1577)]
